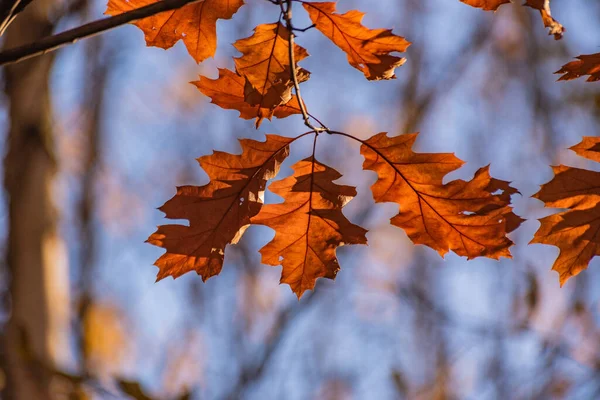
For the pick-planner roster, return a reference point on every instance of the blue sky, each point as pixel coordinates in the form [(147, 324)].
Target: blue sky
[(156, 124)]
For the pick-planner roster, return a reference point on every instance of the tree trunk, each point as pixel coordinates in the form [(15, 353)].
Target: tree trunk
[(35, 334)]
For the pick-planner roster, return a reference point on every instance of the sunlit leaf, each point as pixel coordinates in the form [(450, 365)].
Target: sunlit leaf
[(220, 211), (309, 225)]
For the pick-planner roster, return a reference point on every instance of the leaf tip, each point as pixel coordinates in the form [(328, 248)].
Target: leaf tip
[(563, 278)]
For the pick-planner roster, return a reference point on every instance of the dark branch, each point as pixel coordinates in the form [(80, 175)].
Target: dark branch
[(54, 42), (304, 29), (9, 10)]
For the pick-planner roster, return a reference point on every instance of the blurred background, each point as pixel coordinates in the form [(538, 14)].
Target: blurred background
[(99, 134)]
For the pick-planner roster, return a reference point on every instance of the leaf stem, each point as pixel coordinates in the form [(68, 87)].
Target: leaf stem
[(304, 29), (287, 15), (351, 137), (51, 43)]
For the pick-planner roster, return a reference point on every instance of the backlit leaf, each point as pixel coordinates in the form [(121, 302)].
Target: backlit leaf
[(543, 6), (195, 24), (227, 91), (265, 64), (585, 65), (576, 231), (368, 50), (464, 217), (218, 212), (309, 225), (488, 5)]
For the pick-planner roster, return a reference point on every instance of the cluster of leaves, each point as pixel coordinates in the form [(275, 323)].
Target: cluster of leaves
[(471, 218)]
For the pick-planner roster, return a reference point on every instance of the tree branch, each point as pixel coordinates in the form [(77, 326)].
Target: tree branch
[(287, 15), (54, 42), (9, 11)]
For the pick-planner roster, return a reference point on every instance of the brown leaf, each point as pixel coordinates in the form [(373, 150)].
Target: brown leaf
[(464, 217), (576, 232), (227, 91), (488, 5), (277, 95), (266, 66), (220, 211), (587, 64), (195, 24), (368, 50), (309, 225), (543, 6)]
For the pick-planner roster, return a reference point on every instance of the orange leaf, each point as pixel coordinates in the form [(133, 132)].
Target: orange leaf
[(464, 217), (368, 50), (588, 64), (227, 91), (309, 225), (265, 64), (220, 211), (576, 232), (486, 4), (195, 24), (543, 6)]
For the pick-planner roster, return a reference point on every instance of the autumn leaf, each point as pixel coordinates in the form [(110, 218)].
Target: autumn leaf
[(195, 24), (465, 217), (368, 50), (587, 64), (543, 6), (228, 91), (309, 225), (265, 64), (218, 212), (576, 231), (488, 5)]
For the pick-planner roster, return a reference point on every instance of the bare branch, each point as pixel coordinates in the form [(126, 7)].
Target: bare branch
[(9, 11)]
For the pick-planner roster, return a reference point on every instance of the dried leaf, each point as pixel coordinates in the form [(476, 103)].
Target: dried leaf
[(227, 91), (265, 64), (576, 232), (220, 211), (464, 217), (543, 6), (279, 95), (587, 64), (368, 50), (309, 225), (488, 5), (195, 24)]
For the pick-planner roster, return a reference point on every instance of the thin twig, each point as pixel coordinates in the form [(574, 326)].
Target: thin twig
[(54, 42), (318, 121), (287, 15), (304, 29), (285, 320)]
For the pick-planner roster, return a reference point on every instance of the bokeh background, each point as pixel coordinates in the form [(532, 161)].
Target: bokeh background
[(98, 135)]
